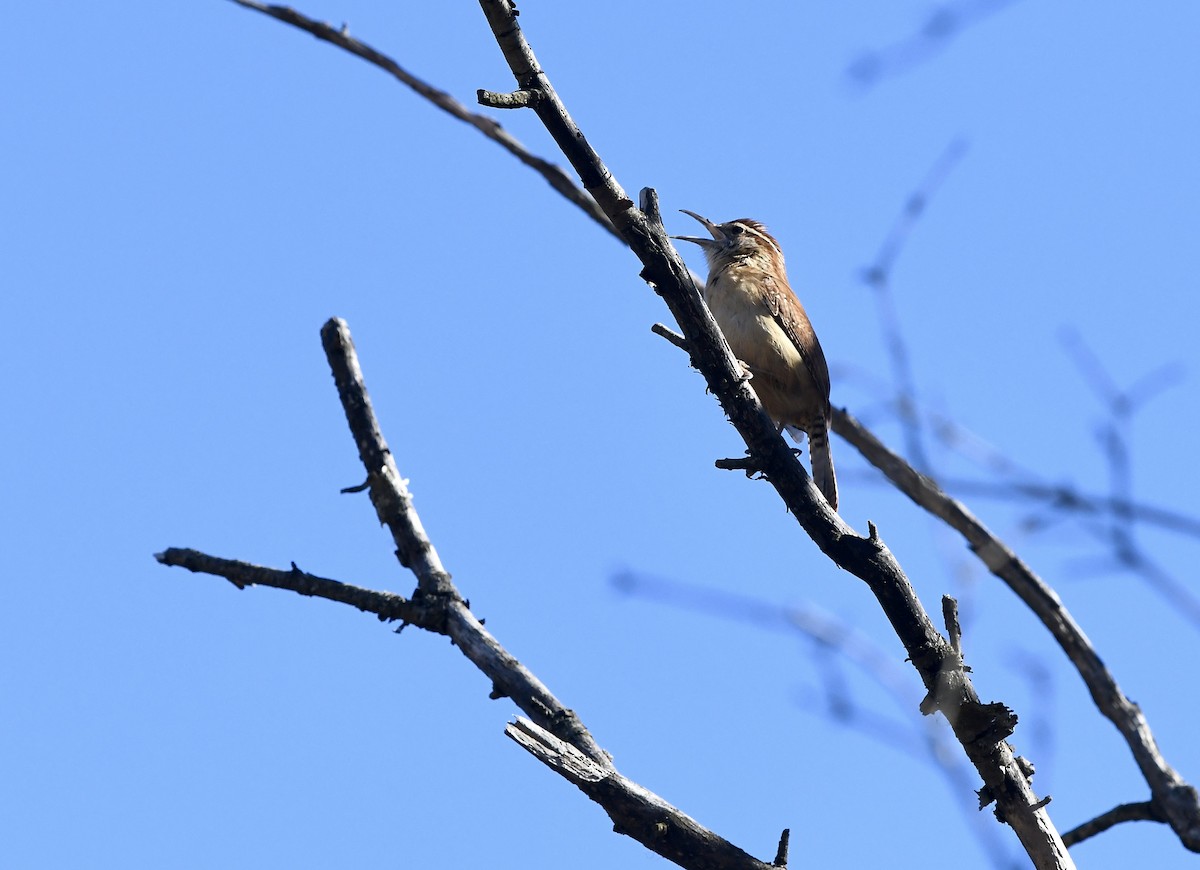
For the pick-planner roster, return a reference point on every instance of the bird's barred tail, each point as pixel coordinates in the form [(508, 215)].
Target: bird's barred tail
[(822, 463)]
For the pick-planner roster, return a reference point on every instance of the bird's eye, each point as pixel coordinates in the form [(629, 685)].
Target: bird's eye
[(736, 230)]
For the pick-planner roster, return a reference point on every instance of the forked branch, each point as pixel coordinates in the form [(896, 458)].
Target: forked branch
[(980, 733), (1172, 796), (555, 735)]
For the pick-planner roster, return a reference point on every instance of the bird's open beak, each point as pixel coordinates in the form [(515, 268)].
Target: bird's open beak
[(717, 235)]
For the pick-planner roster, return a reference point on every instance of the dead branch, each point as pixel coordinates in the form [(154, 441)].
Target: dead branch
[(1165, 782), (1176, 799), (978, 727), (1142, 811), (556, 736), (489, 127)]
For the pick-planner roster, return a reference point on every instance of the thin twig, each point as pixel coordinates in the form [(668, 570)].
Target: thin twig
[(1066, 498), (386, 605), (878, 276), (943, 24), (1142, 811), (1116, 440)]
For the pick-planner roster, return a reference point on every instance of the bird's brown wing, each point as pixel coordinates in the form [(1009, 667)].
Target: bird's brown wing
[(799, 331)]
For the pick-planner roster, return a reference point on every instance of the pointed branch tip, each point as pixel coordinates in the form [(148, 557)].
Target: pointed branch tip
[(648, 203), (781, 854), (670, 335)]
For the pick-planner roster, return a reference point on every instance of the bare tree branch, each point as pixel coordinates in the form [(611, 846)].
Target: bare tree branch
[(393, 505), (925, 739), (1115, 435), (647, 818), (554, 175), (1178, 801), (557, 737), (1065, 497), (635, 812), (980, 728), (1137, 812), (386, 605), (1165, 783), (878, 276), (1175, 798), (1120, 403), (943, 23)]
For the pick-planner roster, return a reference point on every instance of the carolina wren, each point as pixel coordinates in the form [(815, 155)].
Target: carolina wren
[(769, 331)]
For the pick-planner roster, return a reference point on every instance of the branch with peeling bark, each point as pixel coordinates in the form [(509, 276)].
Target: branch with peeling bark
[(555, 735), (634, 811)]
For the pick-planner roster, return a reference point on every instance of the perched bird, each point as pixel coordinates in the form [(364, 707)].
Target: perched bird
[(769, 331)]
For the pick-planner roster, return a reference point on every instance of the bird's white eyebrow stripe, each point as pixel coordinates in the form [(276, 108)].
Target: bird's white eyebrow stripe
[(761, 234)]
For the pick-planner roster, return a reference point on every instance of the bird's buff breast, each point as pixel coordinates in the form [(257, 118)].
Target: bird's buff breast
[(751, 330), (779, 375)]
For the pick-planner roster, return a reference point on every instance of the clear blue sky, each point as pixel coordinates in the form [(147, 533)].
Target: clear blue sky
[(191, 189)]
